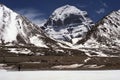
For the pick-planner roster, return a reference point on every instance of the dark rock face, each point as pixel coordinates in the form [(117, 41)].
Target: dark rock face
[(71, 19)]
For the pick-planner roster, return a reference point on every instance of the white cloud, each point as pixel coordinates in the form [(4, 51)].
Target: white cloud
[(105, 5), (32, 14), (101, 11)]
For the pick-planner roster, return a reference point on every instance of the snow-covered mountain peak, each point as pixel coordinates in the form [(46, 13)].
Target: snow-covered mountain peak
[(65, 11), (67, 23), (3, 8)]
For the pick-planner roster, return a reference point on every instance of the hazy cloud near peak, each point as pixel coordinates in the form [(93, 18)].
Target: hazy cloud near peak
[(32, 14), (105, 5), (101, 11)]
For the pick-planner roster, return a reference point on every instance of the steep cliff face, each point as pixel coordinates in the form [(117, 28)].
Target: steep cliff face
[(68, 23)]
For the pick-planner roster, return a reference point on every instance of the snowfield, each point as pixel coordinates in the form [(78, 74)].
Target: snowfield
[(61, 75)]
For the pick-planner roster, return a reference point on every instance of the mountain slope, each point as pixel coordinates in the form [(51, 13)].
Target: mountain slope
[(68, 23), (103, 40), (20, 36), (17, 29), (107, 31)]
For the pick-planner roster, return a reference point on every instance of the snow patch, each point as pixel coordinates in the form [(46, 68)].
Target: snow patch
[(94, 66), (67, 66), (20, 51), (36, 41), (31, 62), (86, 60), (4, 67), (75, 40)]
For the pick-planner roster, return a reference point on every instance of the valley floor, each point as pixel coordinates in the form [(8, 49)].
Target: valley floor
[(13, 61), (25, 63)]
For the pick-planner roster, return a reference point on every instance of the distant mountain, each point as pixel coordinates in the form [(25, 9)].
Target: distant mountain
[(68, 23), (103, 40), (106, 31)]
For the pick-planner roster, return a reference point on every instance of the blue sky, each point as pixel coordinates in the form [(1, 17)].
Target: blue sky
[(39, 10)]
